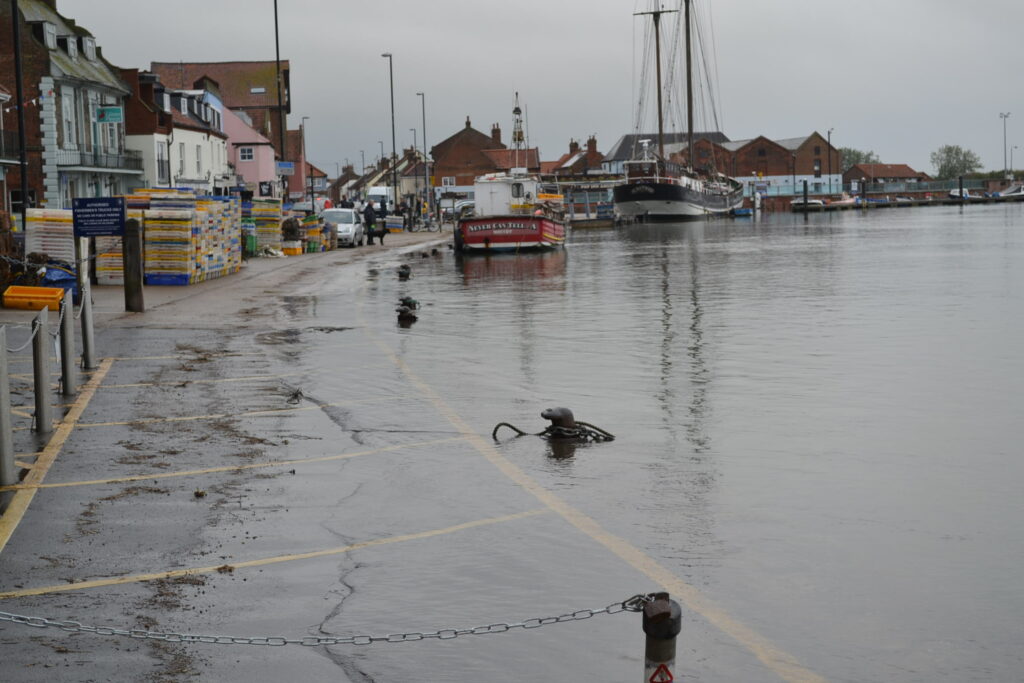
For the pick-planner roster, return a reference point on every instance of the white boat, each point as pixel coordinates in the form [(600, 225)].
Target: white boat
[(656, 188)]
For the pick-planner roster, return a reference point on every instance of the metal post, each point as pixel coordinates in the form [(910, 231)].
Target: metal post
[(960, 184), (394, 150), (131, 261), (426, 164), (41, 371), (280, 104), (662, 622), (805, 195), (88, 346), (68, 376), (829, 151), (8, 473), (19, 90)]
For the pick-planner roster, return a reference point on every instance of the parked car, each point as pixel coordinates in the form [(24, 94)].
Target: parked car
[(348, 224)]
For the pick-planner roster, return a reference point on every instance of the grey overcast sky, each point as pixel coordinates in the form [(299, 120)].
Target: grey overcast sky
[(899, 77)]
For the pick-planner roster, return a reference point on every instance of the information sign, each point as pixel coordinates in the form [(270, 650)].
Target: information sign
[(285, 168), (98, 216), (109, 115)]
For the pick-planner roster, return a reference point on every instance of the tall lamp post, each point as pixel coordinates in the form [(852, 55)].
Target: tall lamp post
[(362, 155), (426, 181), (830, 160), (415, 149), (1004, 117), (306, 165), (394, 151), (381, 143)]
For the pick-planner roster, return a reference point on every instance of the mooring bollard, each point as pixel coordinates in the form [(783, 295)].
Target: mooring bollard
[(663, 620), (8, 473), (41, 371), (68, 376), (131, 261)]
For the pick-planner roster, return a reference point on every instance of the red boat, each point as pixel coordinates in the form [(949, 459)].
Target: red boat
[(512, 211)]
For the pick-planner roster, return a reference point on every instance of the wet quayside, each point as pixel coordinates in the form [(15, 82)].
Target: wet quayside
[(816, 436)]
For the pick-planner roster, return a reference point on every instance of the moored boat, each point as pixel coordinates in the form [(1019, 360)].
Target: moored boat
[(512, 211)]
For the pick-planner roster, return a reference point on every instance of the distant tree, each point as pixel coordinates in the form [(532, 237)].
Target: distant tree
[(952, 161), (852, 157)]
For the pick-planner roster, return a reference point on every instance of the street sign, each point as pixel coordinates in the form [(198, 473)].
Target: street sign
[(98, 216), (285, 168), (109, 115)]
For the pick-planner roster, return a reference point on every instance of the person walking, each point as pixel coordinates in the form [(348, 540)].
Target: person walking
[(370, 222)]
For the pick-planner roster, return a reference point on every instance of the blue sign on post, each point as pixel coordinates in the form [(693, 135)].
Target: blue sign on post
[(98, 216)]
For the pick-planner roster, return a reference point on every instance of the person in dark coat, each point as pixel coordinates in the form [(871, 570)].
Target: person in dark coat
[(370, 222)]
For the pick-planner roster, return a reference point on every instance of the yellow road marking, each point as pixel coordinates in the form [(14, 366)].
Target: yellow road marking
[(174, 573), (782, 663), (196, 357), (254, 413), (21, 412), (19, 502), (254, 378), (233, 468)]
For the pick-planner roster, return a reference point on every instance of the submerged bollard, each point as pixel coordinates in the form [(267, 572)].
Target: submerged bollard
[(41, 371), (663, 620), (68, 376)]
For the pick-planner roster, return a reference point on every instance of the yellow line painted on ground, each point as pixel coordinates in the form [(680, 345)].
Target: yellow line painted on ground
[(174, 573), (234, 468), (254, 378), (196, 357), (19, 502), (21, 412), (254, 413), (780, 662)]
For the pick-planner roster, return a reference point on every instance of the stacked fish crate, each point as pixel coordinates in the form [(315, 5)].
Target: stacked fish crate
[(172, 227), (266, 215), (50, 232)]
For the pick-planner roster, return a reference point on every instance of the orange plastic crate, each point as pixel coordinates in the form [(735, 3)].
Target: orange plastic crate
[(33, 298)]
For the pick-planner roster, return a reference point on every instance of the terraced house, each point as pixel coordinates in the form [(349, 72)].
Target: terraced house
[(74, 106)]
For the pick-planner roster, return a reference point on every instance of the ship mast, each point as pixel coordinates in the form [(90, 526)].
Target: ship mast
[(517, 133), (656, 15), (689, 91)]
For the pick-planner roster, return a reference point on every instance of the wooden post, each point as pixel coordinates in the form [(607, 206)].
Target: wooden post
[(131, 259), (41, 371), (88, 346), (960, 183)]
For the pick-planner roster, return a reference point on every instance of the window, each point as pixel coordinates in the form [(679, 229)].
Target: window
[(199, 160), (16, 200), (181, 158), (517, 190), (245, 154), (817, 168), (50, 35), (448, 181), (761, 152), (817, 150), (89, 47)]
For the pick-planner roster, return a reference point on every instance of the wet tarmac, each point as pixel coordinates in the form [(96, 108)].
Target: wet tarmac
[(816, 454)]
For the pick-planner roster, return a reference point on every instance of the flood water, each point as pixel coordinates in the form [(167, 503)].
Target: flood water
[(818, 423)]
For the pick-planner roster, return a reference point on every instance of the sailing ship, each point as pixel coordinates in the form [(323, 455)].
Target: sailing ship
[(656, 188), (513, 211)]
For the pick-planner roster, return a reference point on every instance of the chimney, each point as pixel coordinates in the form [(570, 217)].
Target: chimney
[(592, 145), (347, 169), (467, 122), (573, 146), (496, 134)]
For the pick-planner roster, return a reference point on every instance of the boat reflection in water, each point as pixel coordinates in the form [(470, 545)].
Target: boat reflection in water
[(546, 268)]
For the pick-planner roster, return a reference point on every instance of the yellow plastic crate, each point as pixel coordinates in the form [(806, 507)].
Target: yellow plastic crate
[(33, 298)]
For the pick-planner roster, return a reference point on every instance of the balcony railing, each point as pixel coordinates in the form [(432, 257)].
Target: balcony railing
[(130, 160), (9, 144)]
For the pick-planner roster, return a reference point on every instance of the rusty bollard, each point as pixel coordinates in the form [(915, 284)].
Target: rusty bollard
[(663, 620)]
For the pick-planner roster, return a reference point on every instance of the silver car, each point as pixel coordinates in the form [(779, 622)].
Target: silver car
[(347, 223)]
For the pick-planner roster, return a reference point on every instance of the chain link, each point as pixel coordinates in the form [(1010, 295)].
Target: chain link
[(633, 604)]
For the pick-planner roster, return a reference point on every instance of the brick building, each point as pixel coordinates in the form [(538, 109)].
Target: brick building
[(577, 161), (884, 173), (460, 158), (246, 88), (73, 104)]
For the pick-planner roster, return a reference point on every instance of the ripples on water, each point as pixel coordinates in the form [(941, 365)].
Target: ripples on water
[(819, 419)]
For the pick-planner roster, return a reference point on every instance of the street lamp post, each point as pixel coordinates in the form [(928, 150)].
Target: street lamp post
[(416, 178), (1004, 117), (394, 151), (830, 160), (306, 165), (426, 181), (381, 143), (362, 155)]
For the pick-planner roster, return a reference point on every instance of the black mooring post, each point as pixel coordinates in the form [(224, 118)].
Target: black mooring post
[(131, 261), (960, 183), (663, 620)]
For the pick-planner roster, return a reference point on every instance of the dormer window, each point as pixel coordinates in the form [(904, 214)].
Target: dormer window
[(72, 47), (50, 35), (89, 47)]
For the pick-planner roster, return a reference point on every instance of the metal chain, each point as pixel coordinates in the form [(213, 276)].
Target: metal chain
[(60, 319), (35, 329), (633, 604)]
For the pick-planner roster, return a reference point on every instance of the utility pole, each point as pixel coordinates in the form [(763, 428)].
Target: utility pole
[(394, 151), (1004, 117), (426, 170), (19, 90)]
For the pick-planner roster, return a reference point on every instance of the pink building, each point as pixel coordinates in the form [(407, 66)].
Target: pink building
[(252, 155)]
